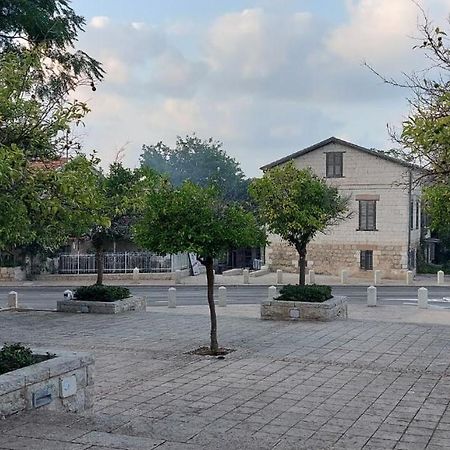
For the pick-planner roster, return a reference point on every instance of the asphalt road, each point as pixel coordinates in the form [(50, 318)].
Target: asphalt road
[(39, 297)]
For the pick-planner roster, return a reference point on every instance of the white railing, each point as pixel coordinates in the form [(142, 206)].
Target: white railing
[(123, 263)]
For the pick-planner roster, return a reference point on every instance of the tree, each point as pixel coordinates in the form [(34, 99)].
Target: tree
[(296, 205), (204, 162), (425, 135), (189, 218), (42, 206), (50, 28), (120, 201)]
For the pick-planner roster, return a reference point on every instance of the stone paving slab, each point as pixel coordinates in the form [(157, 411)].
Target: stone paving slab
[(354, 384)]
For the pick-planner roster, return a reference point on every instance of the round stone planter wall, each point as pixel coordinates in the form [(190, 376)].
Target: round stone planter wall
[(335, 308)]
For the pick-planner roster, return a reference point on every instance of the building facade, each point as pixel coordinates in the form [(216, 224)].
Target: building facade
[(384, 230)]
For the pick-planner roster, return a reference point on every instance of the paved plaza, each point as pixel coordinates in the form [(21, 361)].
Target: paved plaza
[(360, 383)]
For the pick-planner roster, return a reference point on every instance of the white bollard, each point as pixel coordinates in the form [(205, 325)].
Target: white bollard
[(377, 277), (271, 293), (222, 296), (409, 278), (422, 298), (13, 300), (178, 276), (135, 274), (246, 274), (312, 277), (172, 297), (440, 277), (68, 294), (371, 296), (279, 276), (344, 276)]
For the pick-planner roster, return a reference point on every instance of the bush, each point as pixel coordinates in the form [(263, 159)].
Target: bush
[(101, 293), (16, 356), (313, 293)]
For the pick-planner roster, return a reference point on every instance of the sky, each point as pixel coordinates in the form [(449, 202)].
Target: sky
[(266, 77)]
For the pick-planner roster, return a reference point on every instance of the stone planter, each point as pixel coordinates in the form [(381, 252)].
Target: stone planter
[(119, 306), (12, 274), (334, 308), (64, 383)]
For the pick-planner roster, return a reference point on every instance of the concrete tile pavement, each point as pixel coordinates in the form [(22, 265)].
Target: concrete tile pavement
[(353, 384)]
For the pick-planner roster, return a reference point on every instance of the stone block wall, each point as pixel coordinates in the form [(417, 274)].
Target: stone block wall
[(11, 274), (330, 259), (75, 371)]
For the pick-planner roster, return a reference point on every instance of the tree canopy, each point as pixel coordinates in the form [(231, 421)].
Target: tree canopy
[(120, 200), (190, 218), (50, 28), (203, 162), (296, 205), (425, 135)]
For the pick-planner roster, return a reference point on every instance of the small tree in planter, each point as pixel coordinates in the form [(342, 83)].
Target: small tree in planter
[(196, 220), (296, 204), (120, 193)]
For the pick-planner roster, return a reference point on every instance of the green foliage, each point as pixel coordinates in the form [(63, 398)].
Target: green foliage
[(203, 162), (50, 28), (296, 204), (312, 293), (15, 356), (193, 219), (101, 293), (436, 200), (42, 206)]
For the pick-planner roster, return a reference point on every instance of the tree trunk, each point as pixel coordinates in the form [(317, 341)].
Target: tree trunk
[(99, 261), (302, 265), (212, 308)]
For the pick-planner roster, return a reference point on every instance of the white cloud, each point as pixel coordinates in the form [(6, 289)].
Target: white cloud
[(99, 22)]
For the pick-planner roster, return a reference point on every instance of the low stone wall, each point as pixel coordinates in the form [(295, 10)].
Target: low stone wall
[(64, 384), (127, 304), (335, 308), (12, 274), (91, 278)]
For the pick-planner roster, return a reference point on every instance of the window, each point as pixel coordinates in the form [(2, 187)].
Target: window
[(366, 260), (417, 215), (335, 165), (367, 215)]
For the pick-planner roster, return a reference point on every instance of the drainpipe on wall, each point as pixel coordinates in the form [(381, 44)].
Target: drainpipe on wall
[(409, 218)]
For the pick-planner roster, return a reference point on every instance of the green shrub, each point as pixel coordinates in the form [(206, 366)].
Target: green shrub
[(101, 293), (15, 356), (311, 293)]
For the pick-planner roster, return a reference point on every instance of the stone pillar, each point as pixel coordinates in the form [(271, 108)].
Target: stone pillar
[(344, 276), (279, 276), (312, 277), (246, 274), (422, 298), (440, 277), (371, 296), (135, 274), (271, 293), (222, 296), (172, 294), (377, 277), (13, 300), (409, 278), (178, 276)]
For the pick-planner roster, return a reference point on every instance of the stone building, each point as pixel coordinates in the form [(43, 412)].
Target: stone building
[(385, 228)]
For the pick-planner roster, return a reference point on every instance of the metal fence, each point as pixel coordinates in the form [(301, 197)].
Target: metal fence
[(123, 263)]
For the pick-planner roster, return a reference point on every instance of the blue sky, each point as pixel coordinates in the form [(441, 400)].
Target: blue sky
[(264, 77)]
